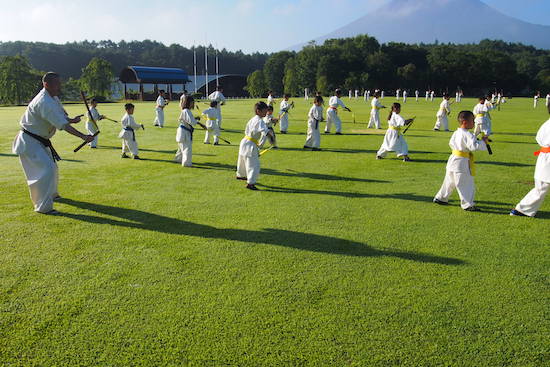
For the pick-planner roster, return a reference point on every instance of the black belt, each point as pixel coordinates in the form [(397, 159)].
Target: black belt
[(133, 132), (46, 142), (190, 129)]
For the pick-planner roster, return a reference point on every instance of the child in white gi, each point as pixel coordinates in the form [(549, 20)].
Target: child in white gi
[(394, 141), (270, 99), (481, 119), (220, 98), (332, 112), (532, 202), (212, 117), (416, 94), (91, 122), (248, 163), (128, 134), (460, 166), (374, 121), (536, 100), (159, 109), (184, 134), (404, 96), (283, 113), (442, 113), (315, 115), (270, 122)]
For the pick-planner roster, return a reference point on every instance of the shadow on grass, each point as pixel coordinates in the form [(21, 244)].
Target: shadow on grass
[(491, 163), (131, 218), (291, 173), (172, 151), (8, 155), (331, 150)]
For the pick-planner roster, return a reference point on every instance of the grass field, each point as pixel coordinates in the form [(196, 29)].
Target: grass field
[(340, 259)]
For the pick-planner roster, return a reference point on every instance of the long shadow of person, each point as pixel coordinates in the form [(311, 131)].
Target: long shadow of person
[(137, 219)]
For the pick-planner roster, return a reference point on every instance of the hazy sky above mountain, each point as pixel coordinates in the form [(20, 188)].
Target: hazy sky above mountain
[(233, 24)]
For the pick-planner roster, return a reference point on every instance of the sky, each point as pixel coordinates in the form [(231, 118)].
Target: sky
[(247, 25)]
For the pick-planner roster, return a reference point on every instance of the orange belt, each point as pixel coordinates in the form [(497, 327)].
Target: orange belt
[(334, 108), (542, 150)]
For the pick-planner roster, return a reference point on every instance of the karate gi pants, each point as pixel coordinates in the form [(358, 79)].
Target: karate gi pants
[(463, 182), (220, 116), (283, 123), (374, 121), (532, 202), (92, 130), (42, 174), (159, 118), (130, 146), (213, 130), (442, 122), (184, 154), (249, 167), (313, 139), (333, 118)]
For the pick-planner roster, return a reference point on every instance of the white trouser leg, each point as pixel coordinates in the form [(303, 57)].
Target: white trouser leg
[(372, 120), (220, 117), (337, 123), (252, 169), (131, 145), (330, 120), (125, 148), (92, 130), (216, 132), (283, 124), (309, 139), (241, 166), (382, 152), (42, 176), (463, 182), (377, 120), (316, 137), (445, 122), (207, 135), (532, 202), (437, 122), (186, 153), (159, 119), (404, 147)]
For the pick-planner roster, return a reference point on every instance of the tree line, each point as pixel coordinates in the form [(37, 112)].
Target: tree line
[(363, 63), (70, 58)]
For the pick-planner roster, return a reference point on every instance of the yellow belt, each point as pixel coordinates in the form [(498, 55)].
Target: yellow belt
[(480, 115), (255, 141), (470, 156), (398, 129), (212, 118), (376, 108)]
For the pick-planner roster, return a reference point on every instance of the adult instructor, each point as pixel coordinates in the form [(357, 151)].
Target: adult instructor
[(43, 117)]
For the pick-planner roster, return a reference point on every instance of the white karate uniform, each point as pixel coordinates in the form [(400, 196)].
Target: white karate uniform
[(184, 138), (404, 96), (458, 175), (270, 100), (432, 95), (91, 127), (457, 97), (159, 111), (367, 95), (547, 99), (332, 114), (394, 141), (220, 98), (532, 202), (382, 95), (427, 95), (441, 117), (306, 94), (248, 163), (212, 116), (374, 121), (536, 101), (397, 94), (482, 121), (315, 116), (182, 100), (283, 120), (416, 94), (43, 117), (350, 94), (128, 135), (356, 94)]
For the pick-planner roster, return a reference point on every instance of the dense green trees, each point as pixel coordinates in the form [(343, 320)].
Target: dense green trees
[(361, 63), (18, 80), (97, 78), (255, 84)]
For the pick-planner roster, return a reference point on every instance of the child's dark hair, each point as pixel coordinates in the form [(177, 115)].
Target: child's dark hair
[(337, 92), (260, 106), (318, 99), (188, 102), (93, 100), (270, 108), (161, 91), (446, 95), (128, 106), (481, 98), (394, 107), (286, 95), (214, 104), (465, 115)]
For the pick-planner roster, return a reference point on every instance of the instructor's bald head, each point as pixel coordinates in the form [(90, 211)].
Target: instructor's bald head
[(52, 83)]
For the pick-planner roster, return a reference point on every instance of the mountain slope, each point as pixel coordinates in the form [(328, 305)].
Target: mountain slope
[(455, 21)]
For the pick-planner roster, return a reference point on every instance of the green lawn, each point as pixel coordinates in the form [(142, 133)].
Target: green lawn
[(340, 259)]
